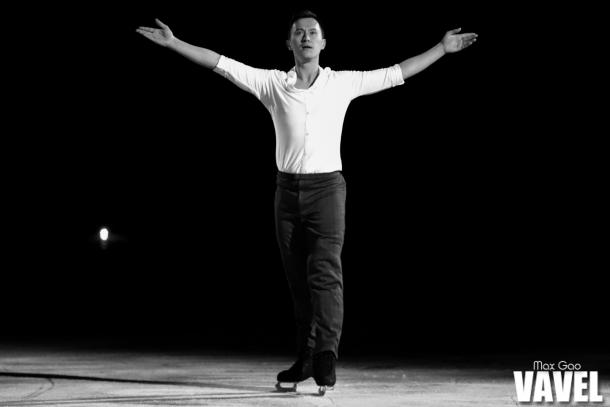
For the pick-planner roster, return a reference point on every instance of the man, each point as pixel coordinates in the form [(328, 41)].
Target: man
[(308, 105)]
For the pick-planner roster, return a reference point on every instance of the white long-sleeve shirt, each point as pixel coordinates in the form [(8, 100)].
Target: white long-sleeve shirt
[(308, 122)]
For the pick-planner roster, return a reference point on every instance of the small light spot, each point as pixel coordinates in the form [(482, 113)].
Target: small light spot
[(104, 234)]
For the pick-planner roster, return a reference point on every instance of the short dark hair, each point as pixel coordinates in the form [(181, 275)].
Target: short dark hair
[(305, 14)]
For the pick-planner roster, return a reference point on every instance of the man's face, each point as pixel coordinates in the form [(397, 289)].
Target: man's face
[(306, 40)]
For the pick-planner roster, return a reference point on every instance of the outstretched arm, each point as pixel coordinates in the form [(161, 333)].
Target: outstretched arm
[(164, 37), (452, 42)]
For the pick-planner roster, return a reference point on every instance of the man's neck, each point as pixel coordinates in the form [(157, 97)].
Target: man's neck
[(307, 72)]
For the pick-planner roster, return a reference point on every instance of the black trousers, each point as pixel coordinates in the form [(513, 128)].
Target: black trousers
[(310, 228)]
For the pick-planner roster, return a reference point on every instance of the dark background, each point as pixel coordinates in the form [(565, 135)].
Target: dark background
[(475, 219)]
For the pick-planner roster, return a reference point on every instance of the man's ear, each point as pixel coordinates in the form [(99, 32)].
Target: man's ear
[(323, 43), (288, 45)]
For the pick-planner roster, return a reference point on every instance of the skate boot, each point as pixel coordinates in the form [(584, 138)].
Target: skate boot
[(301, 370), (324, 371)]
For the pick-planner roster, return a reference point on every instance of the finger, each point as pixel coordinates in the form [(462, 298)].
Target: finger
[(160, 24), (469, 36), (148, 29), (467, 43), (454, 31), (147, 34)]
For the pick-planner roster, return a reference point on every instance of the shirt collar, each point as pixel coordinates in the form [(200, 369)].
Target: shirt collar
[(291, 78)]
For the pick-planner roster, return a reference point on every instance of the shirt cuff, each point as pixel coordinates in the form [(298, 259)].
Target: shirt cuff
[(397, 75), (220, 66)]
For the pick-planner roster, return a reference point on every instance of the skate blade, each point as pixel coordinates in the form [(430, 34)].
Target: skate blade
[(323, 389), (292, 389)]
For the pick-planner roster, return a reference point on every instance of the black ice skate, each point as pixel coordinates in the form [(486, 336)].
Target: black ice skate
[(324, 371), (301, 370)]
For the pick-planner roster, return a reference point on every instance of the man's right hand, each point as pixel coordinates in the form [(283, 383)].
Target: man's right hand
[(162, 36)]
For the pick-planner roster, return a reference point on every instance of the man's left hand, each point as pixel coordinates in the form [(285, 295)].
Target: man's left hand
[(454, 42)]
